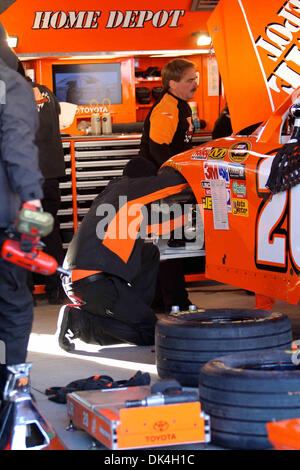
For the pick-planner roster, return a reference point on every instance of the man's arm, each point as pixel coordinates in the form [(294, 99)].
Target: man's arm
[(19, 121), (163, 125)]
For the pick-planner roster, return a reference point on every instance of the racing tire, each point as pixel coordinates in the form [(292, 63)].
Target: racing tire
[(243, 392), (185, 341)]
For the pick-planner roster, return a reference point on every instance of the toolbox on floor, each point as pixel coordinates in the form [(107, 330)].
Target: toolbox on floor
[(133, 418)]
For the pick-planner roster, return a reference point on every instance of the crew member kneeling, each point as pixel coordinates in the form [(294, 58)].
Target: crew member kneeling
[(114, 270)]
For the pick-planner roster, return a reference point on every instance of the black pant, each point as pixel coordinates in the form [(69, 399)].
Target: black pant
[(113, 308), (170, 288), (16, 314), (53, 241)]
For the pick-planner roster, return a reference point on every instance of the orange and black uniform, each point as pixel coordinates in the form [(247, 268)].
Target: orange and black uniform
[(167, 129), (113, 269)]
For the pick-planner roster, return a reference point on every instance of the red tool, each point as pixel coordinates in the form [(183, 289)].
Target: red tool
[(25, 249), (34, 260), (22, 426)]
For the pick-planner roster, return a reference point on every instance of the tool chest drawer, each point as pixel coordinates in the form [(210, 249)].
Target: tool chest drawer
[(90, 165)]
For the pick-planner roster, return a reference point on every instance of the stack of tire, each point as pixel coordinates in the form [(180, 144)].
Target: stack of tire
[(243, 392), (143, 95), (234, 355), (157, 92)]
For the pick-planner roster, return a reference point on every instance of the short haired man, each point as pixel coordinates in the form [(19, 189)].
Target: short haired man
[(168, 126)]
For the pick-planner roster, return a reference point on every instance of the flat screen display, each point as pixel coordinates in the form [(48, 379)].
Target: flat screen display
[(81, 83)]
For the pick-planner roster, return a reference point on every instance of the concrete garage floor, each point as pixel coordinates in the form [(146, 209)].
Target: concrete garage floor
[(53, 367)]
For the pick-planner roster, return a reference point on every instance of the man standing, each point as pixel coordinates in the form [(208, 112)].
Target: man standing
[(20, 181), (52, 165), (222, 127), (168, 131), (168, 127)]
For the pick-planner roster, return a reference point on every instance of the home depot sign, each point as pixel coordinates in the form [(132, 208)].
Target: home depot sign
[(277, 44), (77, 26), (258, 53), (116, 19)]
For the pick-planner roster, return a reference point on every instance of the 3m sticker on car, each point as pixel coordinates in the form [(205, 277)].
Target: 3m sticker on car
[(216, 171)]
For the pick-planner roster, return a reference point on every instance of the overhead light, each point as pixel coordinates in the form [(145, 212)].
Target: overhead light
[(12, 41), (202, 38), (181, 53)]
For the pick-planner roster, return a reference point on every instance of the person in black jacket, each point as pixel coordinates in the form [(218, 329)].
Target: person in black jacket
[(52, 165), (222, 126), (168, 127), (20, 181), (113, 269)]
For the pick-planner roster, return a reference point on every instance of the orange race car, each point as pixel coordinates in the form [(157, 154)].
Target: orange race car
[(252, 234)]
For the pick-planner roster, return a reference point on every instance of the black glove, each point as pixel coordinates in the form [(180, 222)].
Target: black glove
[(96, 382)]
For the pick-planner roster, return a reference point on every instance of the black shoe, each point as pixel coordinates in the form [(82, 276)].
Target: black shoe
[(68, 327)]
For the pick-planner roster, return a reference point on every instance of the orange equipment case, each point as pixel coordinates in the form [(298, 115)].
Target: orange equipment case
[(285, 434), (103, 415)]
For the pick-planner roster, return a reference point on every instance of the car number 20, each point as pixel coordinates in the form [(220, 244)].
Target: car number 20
[(277, 225)]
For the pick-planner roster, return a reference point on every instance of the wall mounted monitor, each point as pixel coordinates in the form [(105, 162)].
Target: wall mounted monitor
[(81, 83)]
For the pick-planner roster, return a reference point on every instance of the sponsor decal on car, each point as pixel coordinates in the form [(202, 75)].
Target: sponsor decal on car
[(207, 204), (217, 153), (239, 189), (216, 171), (240, 207), (201, 153), (236, 171), (174, 165), (207, 200), (239, 152)]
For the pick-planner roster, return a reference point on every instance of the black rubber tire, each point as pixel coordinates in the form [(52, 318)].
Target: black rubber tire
[(184, 343), (243, 392)]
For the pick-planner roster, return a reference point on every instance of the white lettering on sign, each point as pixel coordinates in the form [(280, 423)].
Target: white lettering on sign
[(62, 19), (91, 109), (138, 18), (116, 19), (277, 44)]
